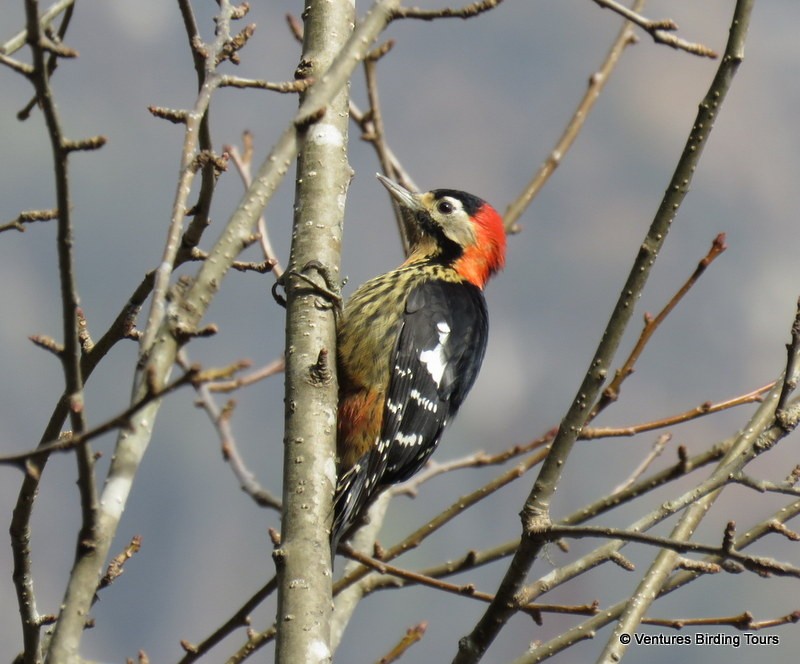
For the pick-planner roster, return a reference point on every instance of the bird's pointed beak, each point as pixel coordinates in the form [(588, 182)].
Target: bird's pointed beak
[(405, 198)]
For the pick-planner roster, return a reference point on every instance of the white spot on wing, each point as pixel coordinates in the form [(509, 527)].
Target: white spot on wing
[(427, 404), (409, 440), (434, 359)]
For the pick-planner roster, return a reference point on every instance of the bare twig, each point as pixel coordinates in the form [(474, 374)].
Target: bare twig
[(207, 57), (469, 590), (75, 439), (478, 459), (655, 452), (274, 367), (259, 84), (376, 135), (457, 508), (758, 564), (703, 409), (596, 84), (221, 418), (535, 513), (70, 356), (792, 363), (590, 627), (16, 65), (45, 20), (763, 486), (243, 162), (364, 121), (651, 324), (743, 621), (768, 426), (472, 559), (116, 567), (467, 11), (239, 619), (255, 641), (413, 635), (661, 31)]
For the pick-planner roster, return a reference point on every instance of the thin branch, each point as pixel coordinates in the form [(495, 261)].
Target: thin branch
[(45, 20), (228, 81), (467, 11), (589, 628), (243, 162), (56, 50), (74, 439), (413, 635), (117, 566), (534, 610), (742, 621), (771, 427), (255, 641), (447, 515), (535, 513), (758, 564), (70, 356), (661, 31), (221, 419), (206, 59), (472, 559), (763, 486), (792, 364), (477, 459), (611, 393), (240, 618), (683, 467), (597, 82), (364, 121), (270, 369), (16, 65), (377, 136), (434, 469), (706, 408), (655, 452)]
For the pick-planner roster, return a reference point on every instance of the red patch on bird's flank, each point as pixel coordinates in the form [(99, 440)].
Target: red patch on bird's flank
[(360, 421)]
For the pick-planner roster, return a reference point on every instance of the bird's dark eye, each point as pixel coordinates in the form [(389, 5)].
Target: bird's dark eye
[(445, 207)]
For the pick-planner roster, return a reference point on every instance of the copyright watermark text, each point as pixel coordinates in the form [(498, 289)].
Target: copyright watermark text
[(701, 639)]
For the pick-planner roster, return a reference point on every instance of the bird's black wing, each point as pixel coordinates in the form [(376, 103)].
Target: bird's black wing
[(437, 356), (436, 359)]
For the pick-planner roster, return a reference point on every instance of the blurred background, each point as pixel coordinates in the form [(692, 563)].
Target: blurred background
[(474, 105)]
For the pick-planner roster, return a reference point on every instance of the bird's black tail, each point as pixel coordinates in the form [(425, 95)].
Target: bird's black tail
[(353, 494)]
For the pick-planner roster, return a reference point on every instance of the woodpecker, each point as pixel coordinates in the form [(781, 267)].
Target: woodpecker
[(410, 345)]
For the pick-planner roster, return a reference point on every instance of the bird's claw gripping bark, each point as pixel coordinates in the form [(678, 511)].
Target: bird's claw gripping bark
[(330, 290)]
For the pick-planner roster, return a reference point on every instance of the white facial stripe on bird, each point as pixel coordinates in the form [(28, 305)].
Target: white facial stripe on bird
[(434, 359)]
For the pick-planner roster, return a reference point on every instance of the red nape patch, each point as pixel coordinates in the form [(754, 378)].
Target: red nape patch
[(488, 255)]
